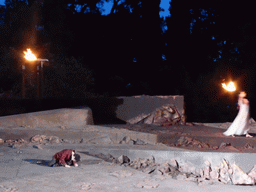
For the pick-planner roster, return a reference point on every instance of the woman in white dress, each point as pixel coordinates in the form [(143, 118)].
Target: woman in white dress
[(240, 125)]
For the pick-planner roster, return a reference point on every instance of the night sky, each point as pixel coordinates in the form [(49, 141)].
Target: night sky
[(164, 5), (188, 51)]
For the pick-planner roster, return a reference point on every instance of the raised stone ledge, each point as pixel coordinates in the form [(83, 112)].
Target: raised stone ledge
[(51, 118)]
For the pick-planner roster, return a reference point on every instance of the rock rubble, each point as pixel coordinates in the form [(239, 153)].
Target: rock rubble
[(224, 173)]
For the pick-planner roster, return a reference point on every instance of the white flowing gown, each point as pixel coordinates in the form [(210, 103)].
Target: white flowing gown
[(240, 125)]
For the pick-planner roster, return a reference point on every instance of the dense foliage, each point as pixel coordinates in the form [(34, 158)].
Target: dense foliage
[(132, 50)]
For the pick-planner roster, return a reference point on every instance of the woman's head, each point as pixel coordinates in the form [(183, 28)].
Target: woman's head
[(242, 94)]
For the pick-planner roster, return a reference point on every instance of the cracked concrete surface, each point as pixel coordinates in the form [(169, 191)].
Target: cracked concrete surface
[(24, 168)]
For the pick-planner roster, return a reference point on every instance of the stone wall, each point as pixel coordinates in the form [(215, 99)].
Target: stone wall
[(66, 118), (110, 110)]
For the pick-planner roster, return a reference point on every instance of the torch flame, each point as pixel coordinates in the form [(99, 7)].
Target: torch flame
[(29, 55), (229, 87)]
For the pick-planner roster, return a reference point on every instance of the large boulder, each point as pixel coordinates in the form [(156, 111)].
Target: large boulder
[(151, 109)]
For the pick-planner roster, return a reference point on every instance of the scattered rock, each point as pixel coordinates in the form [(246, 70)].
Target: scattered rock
[(170, 170), (186, 141), (173, 163), (68, 141), (222, 145), (181, 141), (151, 186), (54, 139), (205, 182), (150, 169), (225, 172), (127, 140), (43, 139), (139, 142), (206, 170), (27, 126), (37, 147), (188, 168), (193, 178), (8, 188), (38, 138), (20, 140), (252, 173), (121, 174), (248, 146), (9, 141), (181, 176), (123, 159), (15, 145), (239, 177), (215, 174), (135, 164)]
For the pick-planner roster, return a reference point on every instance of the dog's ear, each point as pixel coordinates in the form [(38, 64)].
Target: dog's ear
[(73, 151)]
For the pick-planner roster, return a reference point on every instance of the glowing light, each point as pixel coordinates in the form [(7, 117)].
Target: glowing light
[(230, 87), (29, 55)]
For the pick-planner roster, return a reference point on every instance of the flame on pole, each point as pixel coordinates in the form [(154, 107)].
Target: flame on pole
[(230, 87), (29, 55)]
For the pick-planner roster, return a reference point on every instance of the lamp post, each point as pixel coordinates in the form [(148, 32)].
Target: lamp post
[(39, 74), (40, 77)]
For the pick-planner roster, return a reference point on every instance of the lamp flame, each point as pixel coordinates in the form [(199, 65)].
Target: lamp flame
[(230, 87), (29, 55)]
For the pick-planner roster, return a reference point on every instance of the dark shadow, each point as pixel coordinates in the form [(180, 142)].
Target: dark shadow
[(38, 162), (252, 134), (107, 158)]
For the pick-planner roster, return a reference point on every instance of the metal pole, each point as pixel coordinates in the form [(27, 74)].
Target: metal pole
[(42, 76), (38, 81), (42, 79), (23, 82)]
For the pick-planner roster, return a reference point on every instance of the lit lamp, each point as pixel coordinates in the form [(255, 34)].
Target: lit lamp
[(31, 57)]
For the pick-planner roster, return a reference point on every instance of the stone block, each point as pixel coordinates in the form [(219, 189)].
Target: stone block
[(239, 177), (123, 159), (66, 117), (136, 108)]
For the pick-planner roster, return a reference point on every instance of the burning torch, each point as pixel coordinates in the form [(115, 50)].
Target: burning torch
[(31, 57)]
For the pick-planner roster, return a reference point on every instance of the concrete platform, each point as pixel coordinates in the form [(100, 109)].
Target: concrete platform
[(245, 161), (20, 170), (107, 138)]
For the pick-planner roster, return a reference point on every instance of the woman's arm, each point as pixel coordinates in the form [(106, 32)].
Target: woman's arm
[(245, 101)]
